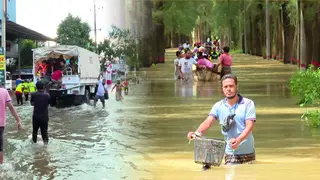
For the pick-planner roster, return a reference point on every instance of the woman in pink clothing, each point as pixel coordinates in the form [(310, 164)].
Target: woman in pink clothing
[(226, 61), (204, 63)]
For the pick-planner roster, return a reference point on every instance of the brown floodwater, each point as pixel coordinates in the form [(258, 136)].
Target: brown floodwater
[(144, 137)]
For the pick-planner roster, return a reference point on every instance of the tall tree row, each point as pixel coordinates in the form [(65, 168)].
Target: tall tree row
[(292, 31)]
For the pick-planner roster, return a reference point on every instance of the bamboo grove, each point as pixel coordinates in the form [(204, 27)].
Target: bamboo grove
[(293, 27)]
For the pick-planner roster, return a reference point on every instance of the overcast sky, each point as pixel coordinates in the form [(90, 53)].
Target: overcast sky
[(44, 16)]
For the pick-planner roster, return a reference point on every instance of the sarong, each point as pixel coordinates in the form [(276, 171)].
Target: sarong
[(225, 70), (118, 96), (239, 158)]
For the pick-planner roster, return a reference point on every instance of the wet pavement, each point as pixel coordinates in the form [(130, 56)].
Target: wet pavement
[(144, 137)]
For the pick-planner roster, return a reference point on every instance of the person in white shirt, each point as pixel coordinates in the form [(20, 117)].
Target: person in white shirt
[(185, 66), (176, 65)]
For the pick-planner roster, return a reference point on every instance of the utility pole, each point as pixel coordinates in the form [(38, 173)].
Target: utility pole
[(267, 30), (95, 25), (3, 43)]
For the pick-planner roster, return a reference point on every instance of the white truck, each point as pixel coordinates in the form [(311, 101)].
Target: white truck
[(80, 80)]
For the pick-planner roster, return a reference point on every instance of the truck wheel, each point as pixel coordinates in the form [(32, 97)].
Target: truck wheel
[(87, 96), (53, 101), (78, 100)]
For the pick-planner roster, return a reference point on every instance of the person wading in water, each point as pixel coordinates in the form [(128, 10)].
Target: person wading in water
[(236, 115), (226, 61), (40, 100), (185, 67), (5, 101)]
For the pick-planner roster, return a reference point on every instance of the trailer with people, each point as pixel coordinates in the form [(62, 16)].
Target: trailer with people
[(69, 73)]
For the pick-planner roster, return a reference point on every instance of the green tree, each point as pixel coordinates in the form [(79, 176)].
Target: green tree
[(72, 31), (26, 54), (121, 43)]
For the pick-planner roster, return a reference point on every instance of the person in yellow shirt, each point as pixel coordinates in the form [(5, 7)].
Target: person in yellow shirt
[(19, 92), (26, 90), (32, 87)]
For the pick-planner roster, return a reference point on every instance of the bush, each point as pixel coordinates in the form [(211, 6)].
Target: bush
[(306, 85)]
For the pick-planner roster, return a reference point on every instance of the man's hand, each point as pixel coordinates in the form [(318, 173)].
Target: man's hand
[(234, 143), (190, 135), (19, 125)]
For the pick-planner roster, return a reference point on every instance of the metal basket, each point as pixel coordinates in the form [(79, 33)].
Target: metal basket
[(209, 151)]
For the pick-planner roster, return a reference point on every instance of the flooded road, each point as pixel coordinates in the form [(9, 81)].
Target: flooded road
[(144, 137)]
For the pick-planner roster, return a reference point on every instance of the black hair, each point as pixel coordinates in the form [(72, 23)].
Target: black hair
[(230, 76), (226, 49), (178, 53), (199, 54), (39, 85), (186, 50)]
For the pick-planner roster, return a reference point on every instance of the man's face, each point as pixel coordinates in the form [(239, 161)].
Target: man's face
[(103, 81), (229, 88), (188, 54)]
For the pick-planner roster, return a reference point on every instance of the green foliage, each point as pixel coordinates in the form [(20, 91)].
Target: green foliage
[(26, 54), (292, 10), (312, 118), (178, 16), (121, 43), (72, 31), (305, 84)]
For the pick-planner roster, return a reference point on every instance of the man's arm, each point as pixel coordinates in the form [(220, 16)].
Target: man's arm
[(249, 120), (14, 112), (246, 131), (205, 125)]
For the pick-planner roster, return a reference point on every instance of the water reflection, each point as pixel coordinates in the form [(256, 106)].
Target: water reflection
[(40, 164)]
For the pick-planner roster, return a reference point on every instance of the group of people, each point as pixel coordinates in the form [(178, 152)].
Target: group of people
[(102, 90), (40, 99), (202, 58), (51, 70), (24, 87)]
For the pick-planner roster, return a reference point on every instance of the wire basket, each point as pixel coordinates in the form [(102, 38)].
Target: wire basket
[(209, 151)]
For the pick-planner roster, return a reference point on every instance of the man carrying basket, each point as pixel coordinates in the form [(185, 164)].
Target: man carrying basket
[(236, 115)]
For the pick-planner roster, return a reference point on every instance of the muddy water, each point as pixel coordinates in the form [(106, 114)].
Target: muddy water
[(285, 147), (144, 137)]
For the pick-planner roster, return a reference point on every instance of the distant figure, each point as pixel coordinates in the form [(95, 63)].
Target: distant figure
[(118, 87), (102, 89), (204, 63), (176, 65), (40, 101), (5, 101), (126, 86), (185, 67), (19, 92), (18, 80), (109, 69), (226, 61), (26, 89)]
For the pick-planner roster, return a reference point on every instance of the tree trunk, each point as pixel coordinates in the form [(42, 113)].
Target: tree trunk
[(289, 32), (316, 43), (309, 36), (303, 55)]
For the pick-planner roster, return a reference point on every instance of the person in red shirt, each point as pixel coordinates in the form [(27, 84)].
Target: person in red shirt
[(126, 86), (225, 61), (55, 79)]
